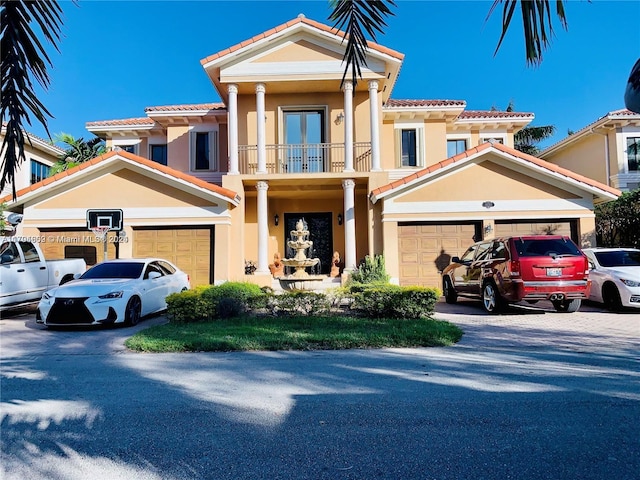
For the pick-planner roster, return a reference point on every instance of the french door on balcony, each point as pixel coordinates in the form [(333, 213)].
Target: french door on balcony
[(303, 138)]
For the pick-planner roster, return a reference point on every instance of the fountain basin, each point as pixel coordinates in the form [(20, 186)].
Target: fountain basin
[(308, 282)]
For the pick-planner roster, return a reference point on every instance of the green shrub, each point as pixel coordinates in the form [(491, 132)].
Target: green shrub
[(371, 271), (300, 303), (187, 307), (231, 299), (392, 301)]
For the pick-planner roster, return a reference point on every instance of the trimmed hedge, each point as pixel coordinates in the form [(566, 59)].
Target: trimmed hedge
[(233, 299)]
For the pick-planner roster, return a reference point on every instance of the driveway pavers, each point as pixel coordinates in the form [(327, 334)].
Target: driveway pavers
[(529, 394)]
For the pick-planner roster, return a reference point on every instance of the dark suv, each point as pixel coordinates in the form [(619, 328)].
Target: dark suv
[(510, 269)]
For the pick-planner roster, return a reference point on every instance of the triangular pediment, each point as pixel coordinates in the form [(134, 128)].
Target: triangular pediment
[(113, 189), (478, 181)]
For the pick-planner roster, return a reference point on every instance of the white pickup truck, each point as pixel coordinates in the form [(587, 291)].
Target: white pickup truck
[(25, 274)]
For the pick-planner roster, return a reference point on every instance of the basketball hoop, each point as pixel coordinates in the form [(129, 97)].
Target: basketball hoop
[(100, 232)]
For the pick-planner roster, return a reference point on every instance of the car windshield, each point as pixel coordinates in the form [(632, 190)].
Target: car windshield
[(114, 270), (545, 246), (619, 258)]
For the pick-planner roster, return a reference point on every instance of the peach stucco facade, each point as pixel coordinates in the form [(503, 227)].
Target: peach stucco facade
[(288, 141)]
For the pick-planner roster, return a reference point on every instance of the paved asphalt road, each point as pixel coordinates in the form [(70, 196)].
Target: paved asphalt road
[(531, 394)]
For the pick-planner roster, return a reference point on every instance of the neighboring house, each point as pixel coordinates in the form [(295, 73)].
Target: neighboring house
[(608, 150), (40, 156), (211, 186)]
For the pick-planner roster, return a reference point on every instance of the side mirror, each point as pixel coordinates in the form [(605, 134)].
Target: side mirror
[(592, 266), (76, 276), (6, 258), (455, 259), (154, 275)]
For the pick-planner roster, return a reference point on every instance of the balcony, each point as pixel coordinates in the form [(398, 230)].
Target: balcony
[(304, 158)]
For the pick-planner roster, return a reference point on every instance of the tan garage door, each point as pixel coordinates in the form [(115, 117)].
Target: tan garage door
[(555, 227), (75, 243), (425, 249), (189, 248)]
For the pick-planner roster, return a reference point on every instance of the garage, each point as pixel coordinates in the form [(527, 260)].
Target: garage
[(189, 248), (424, 249), (75, 243), (541, 227)]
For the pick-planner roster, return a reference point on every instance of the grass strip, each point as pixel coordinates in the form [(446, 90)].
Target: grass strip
[(294, 333)]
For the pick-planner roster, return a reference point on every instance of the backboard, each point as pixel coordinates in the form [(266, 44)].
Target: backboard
[(104, 218)]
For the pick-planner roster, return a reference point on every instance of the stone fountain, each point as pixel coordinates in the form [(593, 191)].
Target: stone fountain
[(300, 278)]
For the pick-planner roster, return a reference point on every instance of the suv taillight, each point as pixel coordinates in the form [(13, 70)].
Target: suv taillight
[(514, 267)]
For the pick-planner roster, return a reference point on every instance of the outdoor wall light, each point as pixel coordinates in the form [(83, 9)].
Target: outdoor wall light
[(488, 204), (276, 219), (339, 219), (340, 118), (488, 229)]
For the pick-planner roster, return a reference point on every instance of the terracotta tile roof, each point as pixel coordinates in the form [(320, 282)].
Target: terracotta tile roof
[(393, 103), (613, 115), (229, 195), (503, 148), (35, 137), (187, 107), (124, 122), (291, 23), (476, 114)]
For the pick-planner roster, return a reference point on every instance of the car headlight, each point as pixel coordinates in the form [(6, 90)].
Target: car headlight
[(111, 295), (630, 283)]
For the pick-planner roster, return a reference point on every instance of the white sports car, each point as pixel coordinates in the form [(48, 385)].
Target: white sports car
[(615, 276), (115, 291)]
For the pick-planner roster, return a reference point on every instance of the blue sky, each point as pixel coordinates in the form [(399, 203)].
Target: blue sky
[(118, 57)]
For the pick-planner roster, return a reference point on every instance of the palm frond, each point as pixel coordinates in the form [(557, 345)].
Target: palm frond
[(537, 24), (355, 17), (24, 57)]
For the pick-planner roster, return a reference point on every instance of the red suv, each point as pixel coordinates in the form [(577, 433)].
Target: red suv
[(510, 269)]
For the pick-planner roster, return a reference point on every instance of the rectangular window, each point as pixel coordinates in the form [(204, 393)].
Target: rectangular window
[(39, 171), (127, 148), (204, 150), (158, 153), (633, 153), (455, 147), (409, 148)]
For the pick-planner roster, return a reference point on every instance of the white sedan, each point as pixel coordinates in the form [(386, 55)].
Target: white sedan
[(615, 276), (115, 291)]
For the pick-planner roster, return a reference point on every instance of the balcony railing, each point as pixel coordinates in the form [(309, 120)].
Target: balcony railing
[(305, 158)]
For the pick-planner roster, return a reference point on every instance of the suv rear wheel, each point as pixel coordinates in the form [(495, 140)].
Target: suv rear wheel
[(450, 295), (491, 299), (568, 306)]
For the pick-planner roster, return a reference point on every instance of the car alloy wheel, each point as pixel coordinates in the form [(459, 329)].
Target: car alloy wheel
[(611, 297), (132, 314), (491, 300)]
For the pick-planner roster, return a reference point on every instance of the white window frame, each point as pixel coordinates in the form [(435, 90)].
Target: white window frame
[(135, 142), (466, 138), (625, 157), (213, 150), (418, 126), (486, 136)]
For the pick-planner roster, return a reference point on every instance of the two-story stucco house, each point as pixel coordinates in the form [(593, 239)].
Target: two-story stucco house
[(213, 185), (607, 150)]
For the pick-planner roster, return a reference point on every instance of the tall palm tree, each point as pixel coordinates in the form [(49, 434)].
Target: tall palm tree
[(355, 17), (78, 150), (23, 58)]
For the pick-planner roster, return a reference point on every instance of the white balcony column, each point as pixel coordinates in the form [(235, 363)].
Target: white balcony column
[(375, 127), (348, 127), (232, 109), (263, 229), (261, 119), (349, 186)]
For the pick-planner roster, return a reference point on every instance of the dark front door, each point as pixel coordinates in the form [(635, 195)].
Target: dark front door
[(320, 233)]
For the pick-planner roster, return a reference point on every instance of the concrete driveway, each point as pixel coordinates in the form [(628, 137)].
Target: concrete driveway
[(530, 394)]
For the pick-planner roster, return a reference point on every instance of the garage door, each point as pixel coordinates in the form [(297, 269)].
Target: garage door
[(189, 248), (555, 227), (426, 248), (75, 243)]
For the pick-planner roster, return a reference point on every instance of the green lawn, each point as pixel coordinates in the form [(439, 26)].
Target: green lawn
[(294, 333)]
